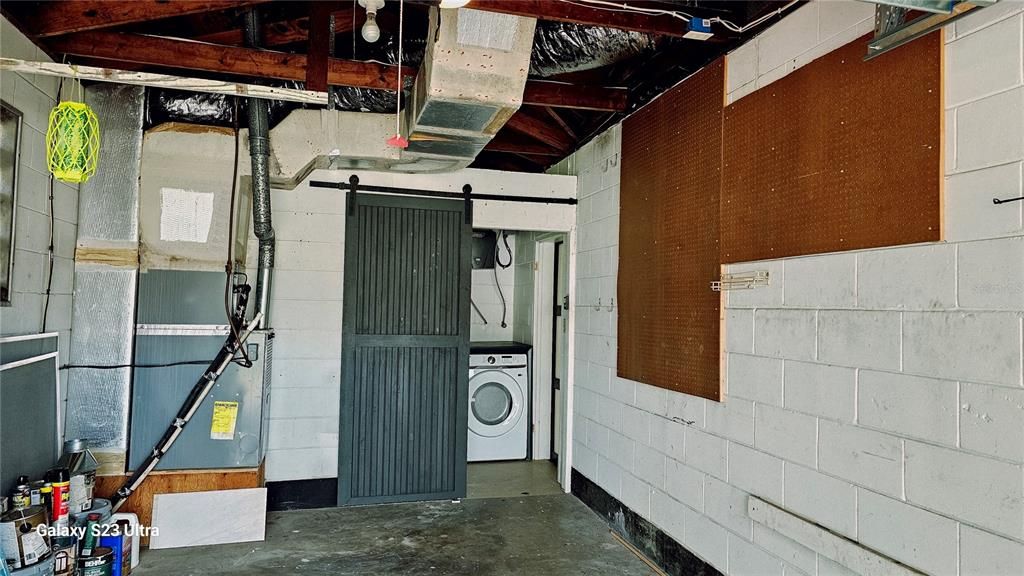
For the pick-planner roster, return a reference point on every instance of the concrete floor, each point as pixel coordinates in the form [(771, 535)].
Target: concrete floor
[(550, 535), (511, 479)]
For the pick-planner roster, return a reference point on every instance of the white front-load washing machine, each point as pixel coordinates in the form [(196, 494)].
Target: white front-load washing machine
[(499, 424)]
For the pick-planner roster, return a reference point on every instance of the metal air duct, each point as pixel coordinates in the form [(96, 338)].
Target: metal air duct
[(259, 151)]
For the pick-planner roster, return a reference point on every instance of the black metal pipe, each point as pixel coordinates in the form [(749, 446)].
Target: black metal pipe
[(439, 193)]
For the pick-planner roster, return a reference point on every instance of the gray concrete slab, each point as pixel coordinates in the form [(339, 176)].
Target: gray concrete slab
[(511, 479), (536, 535)]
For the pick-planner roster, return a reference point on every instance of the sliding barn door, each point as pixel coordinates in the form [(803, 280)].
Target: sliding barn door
[(405, 350)]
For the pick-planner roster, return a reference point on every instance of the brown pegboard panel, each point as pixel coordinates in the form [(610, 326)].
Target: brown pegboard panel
[(841, 154), (668, 238)]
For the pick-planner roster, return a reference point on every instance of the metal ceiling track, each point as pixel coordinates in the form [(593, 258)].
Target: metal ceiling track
[(892, 29), (353, 185)]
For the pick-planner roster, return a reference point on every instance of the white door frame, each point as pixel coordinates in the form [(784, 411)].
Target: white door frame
[(557, 218)]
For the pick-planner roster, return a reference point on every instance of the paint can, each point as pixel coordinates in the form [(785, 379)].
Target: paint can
[(21, 543), (65, 552), (115, 541), (60, 481), (42, 568), (100, 506), (82, 465), (100, 563)]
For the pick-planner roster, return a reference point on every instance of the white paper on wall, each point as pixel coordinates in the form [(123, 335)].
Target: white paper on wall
[(185, 215)]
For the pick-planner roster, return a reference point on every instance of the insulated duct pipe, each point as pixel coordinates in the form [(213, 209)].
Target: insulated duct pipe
[(259, 151)]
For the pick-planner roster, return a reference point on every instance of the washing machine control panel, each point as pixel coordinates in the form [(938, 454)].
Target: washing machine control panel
[(496, 360)]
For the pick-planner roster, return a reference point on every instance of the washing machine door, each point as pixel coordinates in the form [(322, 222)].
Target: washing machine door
[(496, 403)]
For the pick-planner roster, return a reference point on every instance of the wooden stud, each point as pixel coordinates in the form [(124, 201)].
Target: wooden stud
[(57, 18)]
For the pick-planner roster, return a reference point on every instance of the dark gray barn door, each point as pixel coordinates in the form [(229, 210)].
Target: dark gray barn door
[(405, 351)]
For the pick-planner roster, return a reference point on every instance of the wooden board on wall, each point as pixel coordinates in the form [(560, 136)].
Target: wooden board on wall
[(841, 154), (176, 482), (668, 332)]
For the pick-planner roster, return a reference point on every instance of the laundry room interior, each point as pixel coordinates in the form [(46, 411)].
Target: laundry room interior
[(518, 347), (512, 287)]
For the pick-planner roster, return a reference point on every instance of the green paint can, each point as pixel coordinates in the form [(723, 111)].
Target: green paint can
[(100, 563)]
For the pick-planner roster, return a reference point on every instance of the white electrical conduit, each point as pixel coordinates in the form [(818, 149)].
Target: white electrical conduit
[(623, 7)]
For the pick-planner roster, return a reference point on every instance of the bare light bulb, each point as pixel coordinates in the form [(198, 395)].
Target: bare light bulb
[(370, 31)]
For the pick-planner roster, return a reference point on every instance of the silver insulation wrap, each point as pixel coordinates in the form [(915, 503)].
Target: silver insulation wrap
[(560, 47), (110, 199), (103, 313), (102, 334)]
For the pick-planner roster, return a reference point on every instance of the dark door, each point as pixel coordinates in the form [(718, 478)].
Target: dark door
[(559, 345), (405, 350)]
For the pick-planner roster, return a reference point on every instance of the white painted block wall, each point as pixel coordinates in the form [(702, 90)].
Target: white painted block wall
[(486, 297), (305, 311), (526, 255), (878, 393), (34, 96)]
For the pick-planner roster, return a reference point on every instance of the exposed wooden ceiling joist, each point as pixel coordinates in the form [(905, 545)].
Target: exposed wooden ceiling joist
[(318, 51), (168, 52), (57, 18), (281, 32), (120, 47), (559, 95), (579, 13), (511, 143), (541, 130)]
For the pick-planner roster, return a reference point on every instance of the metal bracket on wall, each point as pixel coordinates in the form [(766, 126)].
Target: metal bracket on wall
[(741, 281), (893, 29)]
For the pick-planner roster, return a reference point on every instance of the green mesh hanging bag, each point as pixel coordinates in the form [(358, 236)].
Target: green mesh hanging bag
[(72, 142)]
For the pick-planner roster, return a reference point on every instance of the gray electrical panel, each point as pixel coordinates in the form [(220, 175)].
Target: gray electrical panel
[(229, 430)]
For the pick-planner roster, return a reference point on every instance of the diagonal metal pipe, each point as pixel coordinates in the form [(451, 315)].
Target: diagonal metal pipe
[(259, 151)]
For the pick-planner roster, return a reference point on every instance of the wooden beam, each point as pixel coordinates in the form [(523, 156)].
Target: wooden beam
[(57, 18), (504, 142), (560, 95), (561, 122), (167, 52), (578, 13), (101, 74), (319, 46), (541, 130), (281, 32)]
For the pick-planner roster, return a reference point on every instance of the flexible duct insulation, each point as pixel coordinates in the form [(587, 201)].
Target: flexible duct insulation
[(558, 48), (259, 151)]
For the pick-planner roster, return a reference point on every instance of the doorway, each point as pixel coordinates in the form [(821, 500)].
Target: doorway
[(531, 355), (405, 350)]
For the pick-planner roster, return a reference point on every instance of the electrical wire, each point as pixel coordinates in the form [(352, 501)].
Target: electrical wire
[(118, 366), (229, 266), (497, 263), (398, 100), (679, 14), (49, 275)]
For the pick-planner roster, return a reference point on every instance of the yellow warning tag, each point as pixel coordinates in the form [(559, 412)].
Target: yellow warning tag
[(224, 416)]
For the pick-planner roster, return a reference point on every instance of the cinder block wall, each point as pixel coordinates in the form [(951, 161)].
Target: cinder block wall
[(34, 96), (305, 311), (485, 296), (878, 393)]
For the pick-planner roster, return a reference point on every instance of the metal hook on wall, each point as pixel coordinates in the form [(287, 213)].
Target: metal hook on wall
[(1006, 200)]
